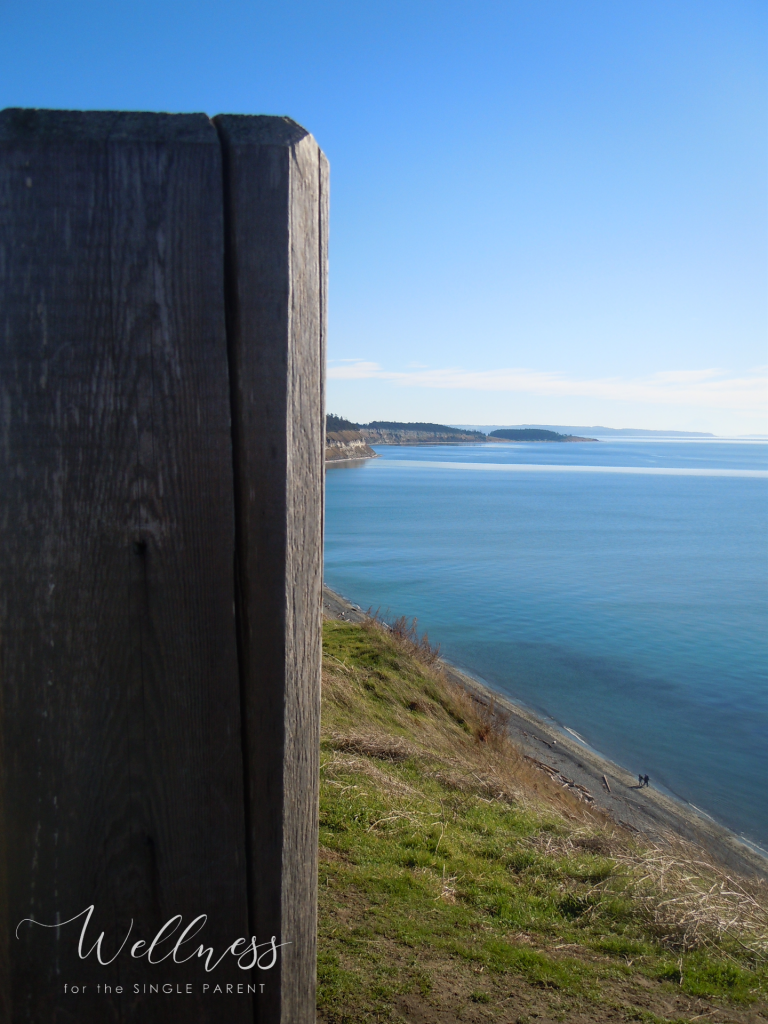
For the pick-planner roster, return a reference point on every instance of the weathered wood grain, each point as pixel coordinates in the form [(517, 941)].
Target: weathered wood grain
[(122, 776), (276, 197)]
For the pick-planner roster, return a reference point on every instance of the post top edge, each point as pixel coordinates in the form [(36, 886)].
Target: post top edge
[(40, 124), (259, 129)]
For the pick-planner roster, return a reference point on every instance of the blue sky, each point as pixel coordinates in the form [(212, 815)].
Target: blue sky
[(546, 211)]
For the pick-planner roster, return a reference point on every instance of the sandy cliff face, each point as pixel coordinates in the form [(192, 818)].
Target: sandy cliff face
[(378, 435), (346, 444)]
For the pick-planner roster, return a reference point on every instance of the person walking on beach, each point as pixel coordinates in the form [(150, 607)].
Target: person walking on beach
[(645, 780)]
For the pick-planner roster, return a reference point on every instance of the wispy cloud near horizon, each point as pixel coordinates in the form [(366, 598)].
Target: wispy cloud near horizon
[(706, 388)]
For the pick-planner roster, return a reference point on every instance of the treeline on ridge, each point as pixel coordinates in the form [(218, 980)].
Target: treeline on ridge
[(423, 428), (333, 423)]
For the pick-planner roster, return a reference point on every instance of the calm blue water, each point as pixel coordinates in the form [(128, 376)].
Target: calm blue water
[(620, 587)]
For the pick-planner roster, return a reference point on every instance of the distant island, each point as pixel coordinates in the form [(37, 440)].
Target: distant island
[(533, 434)]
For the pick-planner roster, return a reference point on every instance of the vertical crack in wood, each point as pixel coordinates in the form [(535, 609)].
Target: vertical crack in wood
[(231, 316)]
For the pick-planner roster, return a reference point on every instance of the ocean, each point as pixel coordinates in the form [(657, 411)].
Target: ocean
[(619, 588)]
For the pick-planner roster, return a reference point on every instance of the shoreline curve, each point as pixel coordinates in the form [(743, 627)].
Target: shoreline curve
[(607, 785)]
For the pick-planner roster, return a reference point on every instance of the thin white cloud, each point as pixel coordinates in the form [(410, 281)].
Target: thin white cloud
[(708, 388)]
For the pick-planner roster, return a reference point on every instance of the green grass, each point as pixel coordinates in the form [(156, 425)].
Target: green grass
[(454, 873)]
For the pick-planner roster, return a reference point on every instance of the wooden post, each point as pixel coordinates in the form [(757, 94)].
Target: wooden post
[(276, 196), (159, 630)]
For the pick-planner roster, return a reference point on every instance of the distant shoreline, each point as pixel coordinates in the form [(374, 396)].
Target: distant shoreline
[(346, 449), (541, 440), (556, 749), (612, 432)]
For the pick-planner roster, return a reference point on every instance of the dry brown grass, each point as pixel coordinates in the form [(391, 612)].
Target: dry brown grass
[(685, 898), (405, 633), (342, 764), (608, 841), (688, 900), (386, 748), (487, 720)]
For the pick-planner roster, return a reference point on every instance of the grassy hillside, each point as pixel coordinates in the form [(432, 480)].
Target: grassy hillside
[(457, 883)]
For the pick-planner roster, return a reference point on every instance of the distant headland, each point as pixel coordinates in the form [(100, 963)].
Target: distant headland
[(346, 440)]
